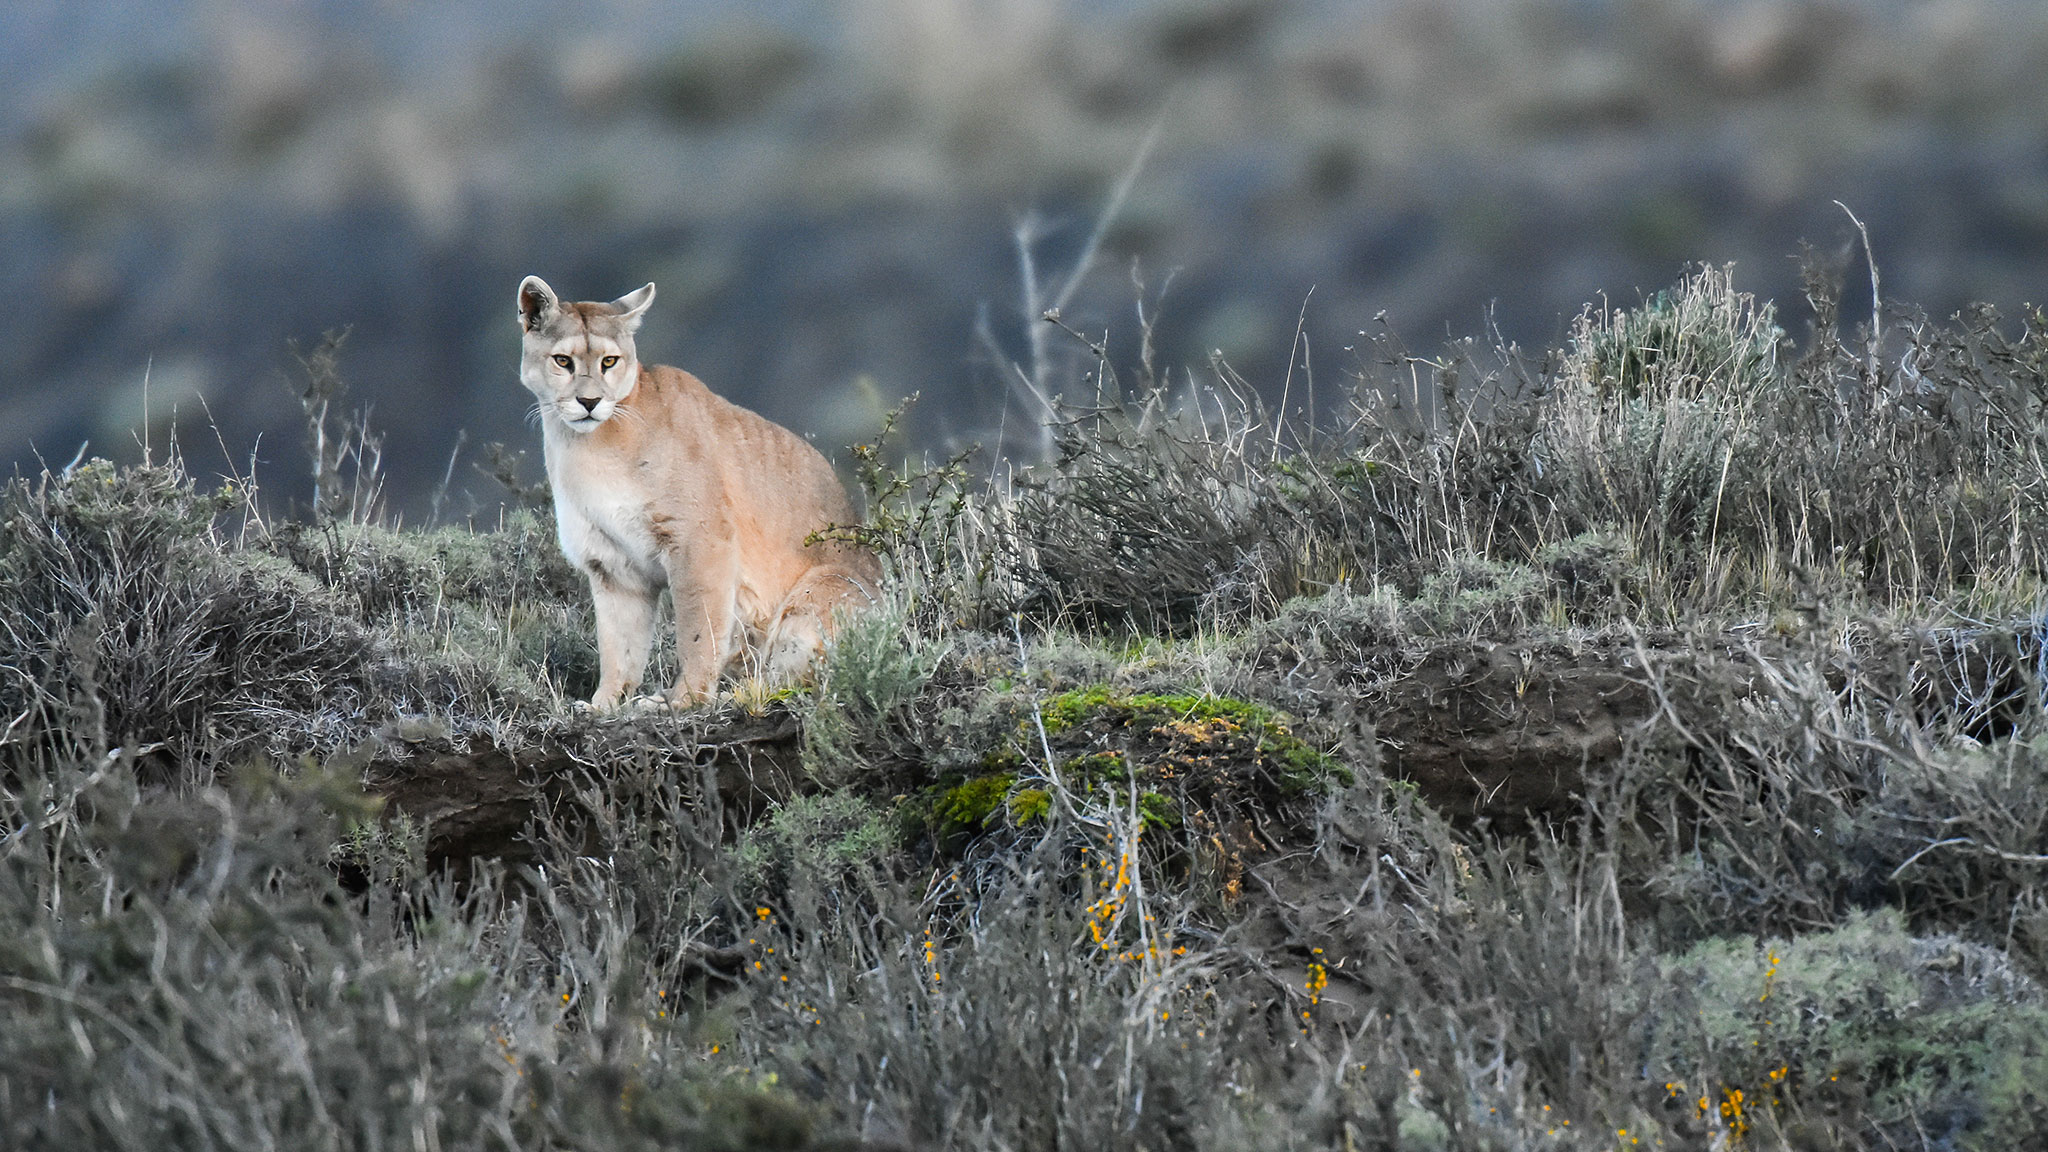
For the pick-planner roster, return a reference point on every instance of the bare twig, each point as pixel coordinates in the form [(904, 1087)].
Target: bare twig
[(1876, 298)]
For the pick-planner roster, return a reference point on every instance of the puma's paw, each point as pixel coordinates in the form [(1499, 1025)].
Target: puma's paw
[(606, 699), (681, 699), (647, 706)]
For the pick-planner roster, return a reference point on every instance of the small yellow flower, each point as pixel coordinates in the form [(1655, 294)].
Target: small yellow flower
[(1318, 979)]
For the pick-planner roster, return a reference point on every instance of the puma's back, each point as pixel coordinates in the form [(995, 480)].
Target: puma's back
[(658, 482)]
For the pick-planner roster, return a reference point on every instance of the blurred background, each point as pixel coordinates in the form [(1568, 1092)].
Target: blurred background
[(829, 194)]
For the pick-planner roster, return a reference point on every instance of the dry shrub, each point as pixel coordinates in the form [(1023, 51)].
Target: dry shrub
[(1972, 824), (129, 619), (1857, 1035), (489, 623), (997, 1025), (1710, 468), (1791, 783), (149, 613), (1654, 409), (234, 996), (1493, 990), (1026, 888)]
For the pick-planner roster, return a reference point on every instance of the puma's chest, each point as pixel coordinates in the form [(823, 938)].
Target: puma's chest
[(603, 517)]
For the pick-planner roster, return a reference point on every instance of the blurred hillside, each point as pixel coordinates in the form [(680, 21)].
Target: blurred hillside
[(827, 193)]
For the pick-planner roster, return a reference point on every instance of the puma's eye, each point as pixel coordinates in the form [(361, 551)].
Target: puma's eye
[(609, 361), (565, 362)]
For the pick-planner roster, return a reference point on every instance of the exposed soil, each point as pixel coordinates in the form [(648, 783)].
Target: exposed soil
[(474, 801), (1494, 731), (1505, 731)]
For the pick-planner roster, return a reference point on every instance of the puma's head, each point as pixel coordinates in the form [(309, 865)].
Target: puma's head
[(576, 357)]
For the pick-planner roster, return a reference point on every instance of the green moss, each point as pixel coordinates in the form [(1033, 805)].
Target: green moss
[(967, 807), (1095, 767), (1158, 810), (1300, 765), (1202, 708), (1068, 709), (1186, 754), (1303, 767), (1029, 804)]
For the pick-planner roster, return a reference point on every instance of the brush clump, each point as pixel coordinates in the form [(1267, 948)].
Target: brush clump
[(1637, 743)]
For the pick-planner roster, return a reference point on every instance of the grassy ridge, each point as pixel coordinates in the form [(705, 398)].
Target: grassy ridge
[(1636, 744)]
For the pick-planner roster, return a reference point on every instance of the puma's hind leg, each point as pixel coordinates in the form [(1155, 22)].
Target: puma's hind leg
[(805, 620)]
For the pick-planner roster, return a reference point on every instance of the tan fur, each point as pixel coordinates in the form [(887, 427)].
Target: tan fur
[(660, 483)]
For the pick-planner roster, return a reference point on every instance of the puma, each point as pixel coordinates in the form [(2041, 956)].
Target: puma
[(659, 483)]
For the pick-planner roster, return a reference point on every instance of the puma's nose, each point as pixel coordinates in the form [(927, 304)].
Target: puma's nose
[(590, 403)]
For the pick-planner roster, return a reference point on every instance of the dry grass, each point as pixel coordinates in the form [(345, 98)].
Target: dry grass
[(1105, 833)]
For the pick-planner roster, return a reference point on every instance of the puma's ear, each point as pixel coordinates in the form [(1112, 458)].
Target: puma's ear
[(633, 305), (537, 303)]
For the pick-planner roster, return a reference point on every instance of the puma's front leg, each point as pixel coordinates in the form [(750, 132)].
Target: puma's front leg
[(705, 580), (625, 631)]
